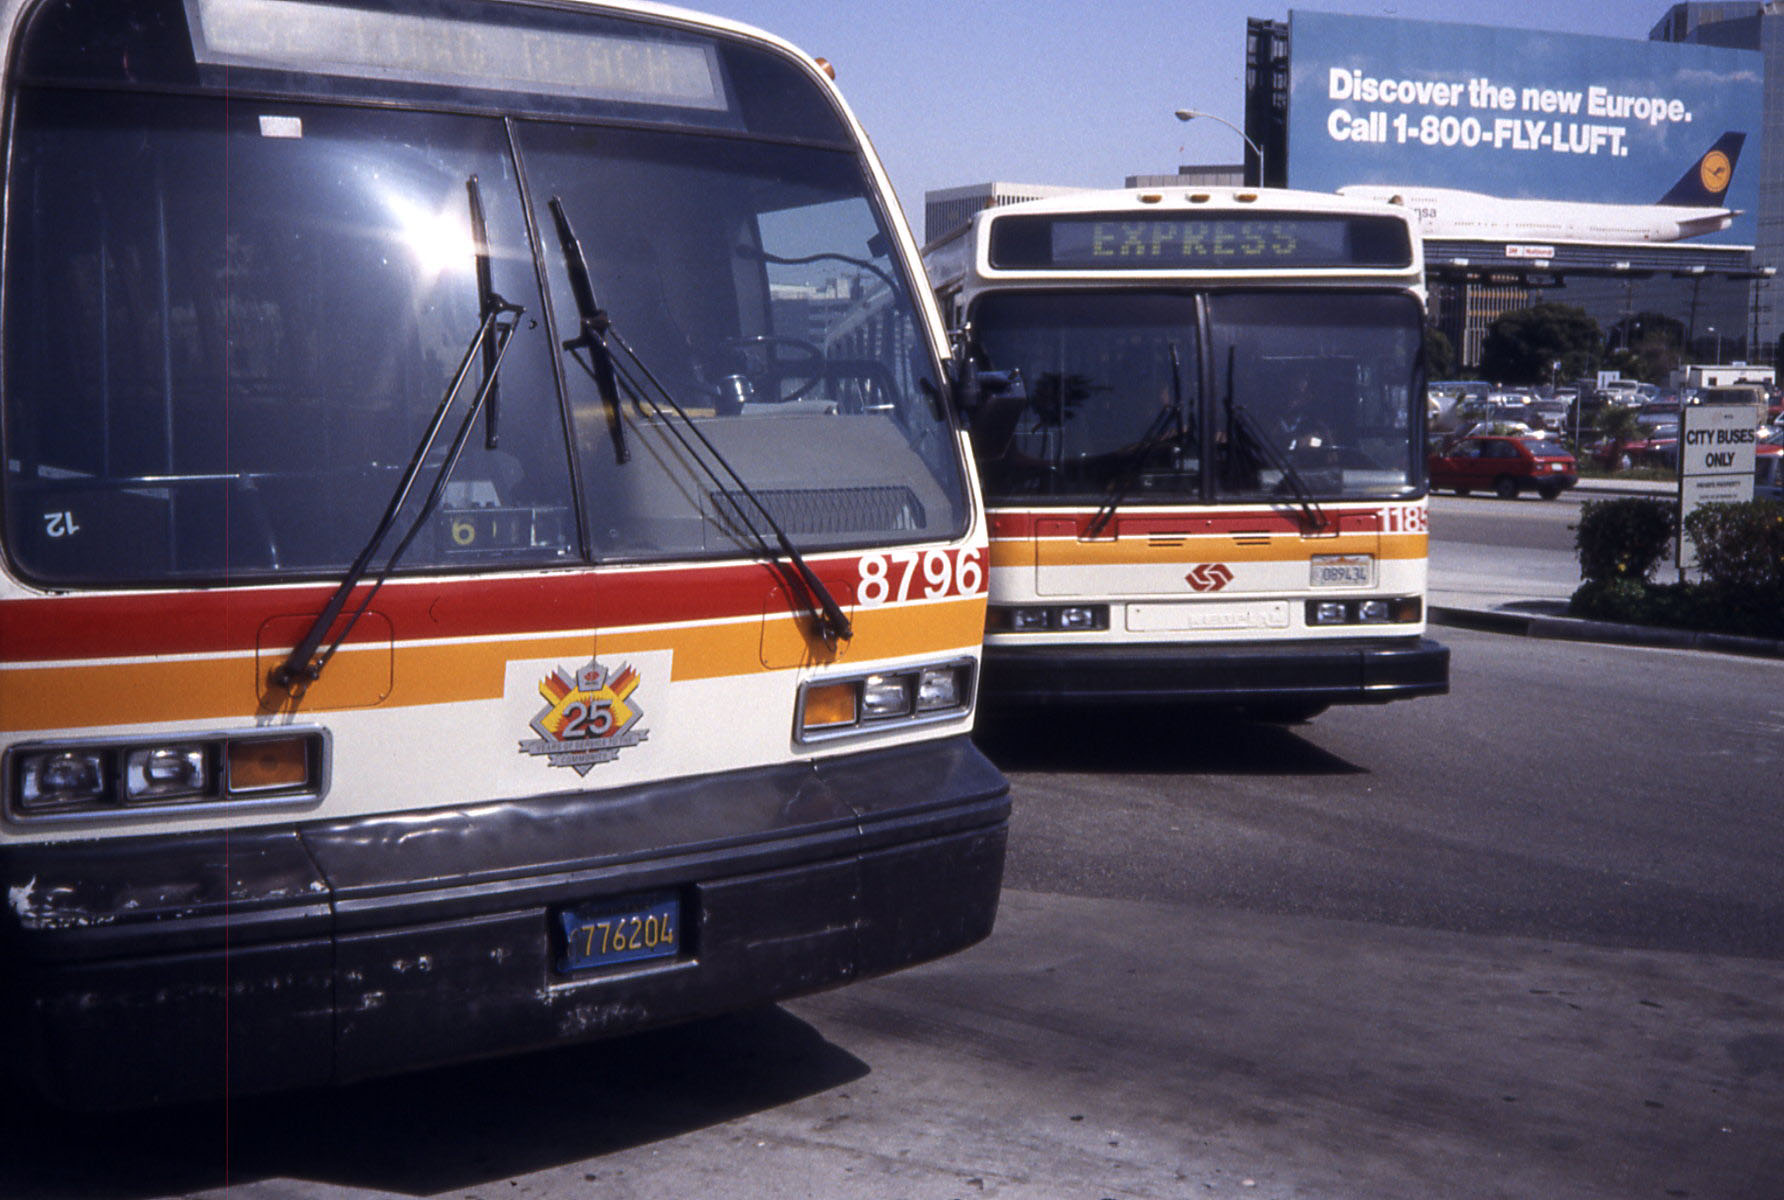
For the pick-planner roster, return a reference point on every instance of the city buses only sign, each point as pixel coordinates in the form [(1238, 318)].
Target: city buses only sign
[(1716, 444)]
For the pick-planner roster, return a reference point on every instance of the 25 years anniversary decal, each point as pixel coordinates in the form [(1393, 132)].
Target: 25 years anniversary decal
[(589, 716)]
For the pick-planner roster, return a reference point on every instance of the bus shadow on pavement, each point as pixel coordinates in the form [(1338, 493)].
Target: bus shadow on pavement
[(435, 1132), (1150, 738)]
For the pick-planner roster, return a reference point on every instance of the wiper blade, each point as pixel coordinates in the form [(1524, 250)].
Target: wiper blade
[(781, 260), (1167, 429), (304, 664), (486, 300), (594, 324), (659, 402), (1239, 422)]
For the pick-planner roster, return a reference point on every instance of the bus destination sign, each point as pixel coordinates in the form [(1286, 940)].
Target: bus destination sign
[(1217, 241)]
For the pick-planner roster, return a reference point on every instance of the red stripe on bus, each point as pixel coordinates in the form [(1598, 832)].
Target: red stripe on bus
[(217, 621), (1011, 526)]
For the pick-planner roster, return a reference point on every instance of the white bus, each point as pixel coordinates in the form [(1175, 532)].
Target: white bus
[(452, 603), (1200, 428)]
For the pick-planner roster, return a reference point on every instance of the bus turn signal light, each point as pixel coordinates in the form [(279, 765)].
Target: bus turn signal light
[(267, 764)]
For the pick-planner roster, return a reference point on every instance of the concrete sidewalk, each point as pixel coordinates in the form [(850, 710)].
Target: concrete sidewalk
[(1533, 603)]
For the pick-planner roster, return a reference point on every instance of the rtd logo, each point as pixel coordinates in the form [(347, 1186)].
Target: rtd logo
[(1209, 577)]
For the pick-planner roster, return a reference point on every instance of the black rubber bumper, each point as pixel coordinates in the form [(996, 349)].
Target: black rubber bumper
[(148, 970), (1372, 671)]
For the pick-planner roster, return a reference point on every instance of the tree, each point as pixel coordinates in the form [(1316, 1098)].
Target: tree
[(1440, 356), (1649, 345), (1523, 345), (1617, 423)]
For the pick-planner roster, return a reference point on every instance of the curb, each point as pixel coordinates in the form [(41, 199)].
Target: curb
[(1574, 629)]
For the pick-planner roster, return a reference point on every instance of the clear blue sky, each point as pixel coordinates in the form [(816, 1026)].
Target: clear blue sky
[(1075, 91)]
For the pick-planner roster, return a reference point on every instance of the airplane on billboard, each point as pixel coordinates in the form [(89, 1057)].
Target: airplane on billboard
[(1691, 209)]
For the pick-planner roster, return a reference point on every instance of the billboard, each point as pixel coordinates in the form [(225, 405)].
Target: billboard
[(1510, 133)]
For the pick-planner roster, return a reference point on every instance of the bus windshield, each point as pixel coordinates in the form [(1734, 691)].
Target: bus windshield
[(232, 320), (1291, 392), (1113, 382)]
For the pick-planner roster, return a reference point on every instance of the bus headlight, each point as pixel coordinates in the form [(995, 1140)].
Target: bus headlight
[(939, 688), (1374, 612), (54, 780), (1038, 618), (883, 700), (885, 696), (155, 773), (99, 779), (1395, 610)]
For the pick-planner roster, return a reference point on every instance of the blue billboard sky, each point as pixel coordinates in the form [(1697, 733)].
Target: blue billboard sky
[(1515, 113), (1074, 91)]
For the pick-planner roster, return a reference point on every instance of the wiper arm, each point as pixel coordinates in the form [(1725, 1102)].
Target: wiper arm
[(304, 663), (833, 623), (781, 260), (1239, 422), (594, 325), (1168, 428), (487, 299)]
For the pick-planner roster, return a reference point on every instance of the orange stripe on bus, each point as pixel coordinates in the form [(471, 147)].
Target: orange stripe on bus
[(1138, 551), (213, 689)]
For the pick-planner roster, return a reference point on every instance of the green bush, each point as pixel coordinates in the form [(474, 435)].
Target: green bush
[(1739, 545), (1624, 538), (1622, 600)]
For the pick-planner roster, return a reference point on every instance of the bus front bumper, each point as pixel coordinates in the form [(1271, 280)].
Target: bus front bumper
[(1312, 673), (159, 969)]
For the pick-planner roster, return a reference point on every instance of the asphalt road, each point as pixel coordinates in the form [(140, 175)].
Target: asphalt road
[(1525, 940), (1487, 552)]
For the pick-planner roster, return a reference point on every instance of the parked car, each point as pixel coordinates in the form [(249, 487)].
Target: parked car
[(1654, 446), (1553, 413), (1504, 466)]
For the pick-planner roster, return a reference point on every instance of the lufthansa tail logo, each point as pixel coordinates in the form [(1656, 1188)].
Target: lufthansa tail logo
[(1715, 171)]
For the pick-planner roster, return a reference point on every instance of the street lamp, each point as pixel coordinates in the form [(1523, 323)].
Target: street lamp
[(1190, 114), (1712, 329)]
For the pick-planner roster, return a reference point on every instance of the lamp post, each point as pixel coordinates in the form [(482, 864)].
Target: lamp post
[(1190, 114), (1712, 329)]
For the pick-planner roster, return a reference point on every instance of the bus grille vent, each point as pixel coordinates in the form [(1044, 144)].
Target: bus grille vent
[(818, 511)]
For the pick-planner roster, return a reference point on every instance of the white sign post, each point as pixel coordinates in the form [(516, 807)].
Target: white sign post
[(1716, 445)]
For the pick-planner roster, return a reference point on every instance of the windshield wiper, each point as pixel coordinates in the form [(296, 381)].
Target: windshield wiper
[(1167, 429), (304, 664), (781, 260), (834, 624), (1243, 432), (486, 300), (594, 324)]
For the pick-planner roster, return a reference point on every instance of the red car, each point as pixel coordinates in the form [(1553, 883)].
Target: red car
[(1504, 466)]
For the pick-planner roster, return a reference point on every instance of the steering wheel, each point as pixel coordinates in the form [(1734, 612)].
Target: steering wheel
[(768, 348)]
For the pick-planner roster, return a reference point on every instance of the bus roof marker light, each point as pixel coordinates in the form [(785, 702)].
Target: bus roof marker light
[(1150, 197), (826, 66)]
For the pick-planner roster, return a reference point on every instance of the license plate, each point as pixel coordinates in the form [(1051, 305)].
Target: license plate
[(1343, 570), (632, 929)]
